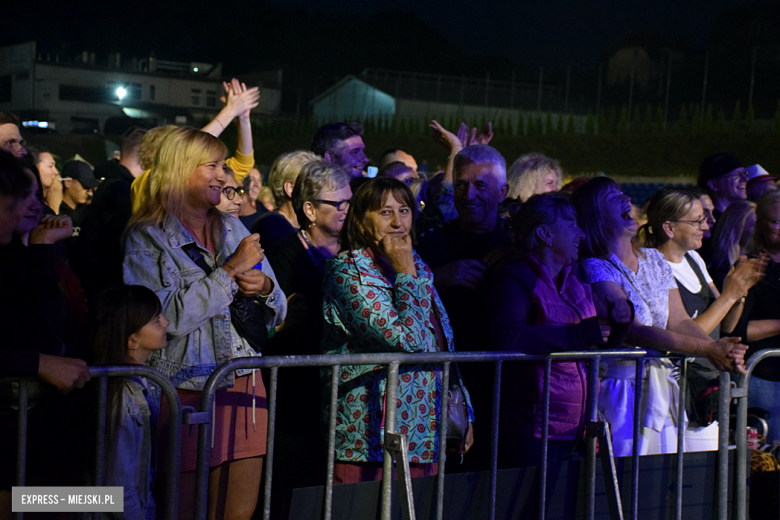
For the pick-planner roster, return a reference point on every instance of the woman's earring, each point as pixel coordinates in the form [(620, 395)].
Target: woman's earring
[(549, 243)]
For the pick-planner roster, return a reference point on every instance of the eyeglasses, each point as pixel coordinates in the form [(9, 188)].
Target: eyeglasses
[(340, 205), (230, 192), (698, 223)]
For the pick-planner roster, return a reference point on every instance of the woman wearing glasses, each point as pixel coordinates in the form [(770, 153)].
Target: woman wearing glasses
[(320, 200), (232, 195), (676, 226), (198, 260), (618, 268)]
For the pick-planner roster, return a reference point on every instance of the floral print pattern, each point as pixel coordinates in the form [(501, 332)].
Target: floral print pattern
[(364, 313)]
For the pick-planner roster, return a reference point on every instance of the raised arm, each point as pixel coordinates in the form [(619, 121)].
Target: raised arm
[(236, 103)]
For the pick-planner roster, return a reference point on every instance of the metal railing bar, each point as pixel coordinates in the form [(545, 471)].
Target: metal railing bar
[(21, 440), (591, 416), (173, 460), (100, 442), (391, 398), (680, 438), (269, 451), (545, 439), (334, 400), (639, 378), (443, 424), (494, 446), (723, 445)]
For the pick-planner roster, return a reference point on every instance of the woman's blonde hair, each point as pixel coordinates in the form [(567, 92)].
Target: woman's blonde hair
[(526, 175), (151, 143), (726, 236), (181, 151), (286, 168)]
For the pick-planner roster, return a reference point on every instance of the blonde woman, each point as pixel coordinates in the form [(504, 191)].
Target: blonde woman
[(197, 260), (283, 221), (532, 174), (731, 238)]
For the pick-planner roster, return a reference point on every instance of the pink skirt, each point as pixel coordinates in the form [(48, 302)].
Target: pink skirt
[(236, 436)]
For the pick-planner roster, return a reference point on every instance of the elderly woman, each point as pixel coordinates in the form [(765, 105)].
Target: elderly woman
[(617, 270), (379, 297), (283, 221), (540, 307), (531, 174), (198, 260), (321, 198)]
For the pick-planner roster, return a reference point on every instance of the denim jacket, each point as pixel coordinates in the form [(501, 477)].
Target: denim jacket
[(130, 459), (197, 306)]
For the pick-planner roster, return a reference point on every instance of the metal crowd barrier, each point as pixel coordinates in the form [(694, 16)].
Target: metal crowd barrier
[(172, 463), (742, 454), (393, 361), (202, 417)]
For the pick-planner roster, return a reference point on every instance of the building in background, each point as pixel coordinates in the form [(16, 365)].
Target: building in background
[(89, 94), (381, 95)]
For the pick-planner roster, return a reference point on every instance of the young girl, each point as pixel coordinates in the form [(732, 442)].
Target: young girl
[(128, 327)]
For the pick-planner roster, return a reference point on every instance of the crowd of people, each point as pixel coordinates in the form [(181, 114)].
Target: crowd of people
[(170, 256)]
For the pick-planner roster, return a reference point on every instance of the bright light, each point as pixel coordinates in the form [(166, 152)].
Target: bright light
[(195, 69), (121, 92)]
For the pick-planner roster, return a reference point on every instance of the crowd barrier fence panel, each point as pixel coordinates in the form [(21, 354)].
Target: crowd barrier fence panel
[(741, 459), (202, 418), (102, 373)]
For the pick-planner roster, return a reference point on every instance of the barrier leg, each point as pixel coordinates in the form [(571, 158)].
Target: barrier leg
[(545, 439), (680, 438), (494, 455), (269, 452), (639, 382), (723, 445), (21, 441), (741, 456), (590, 443), (445, 397), (398, 443), (387, 475), (334, 399)]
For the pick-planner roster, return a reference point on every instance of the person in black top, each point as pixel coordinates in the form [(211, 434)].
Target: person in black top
[(281, 222), (321, 198), (461, 253)]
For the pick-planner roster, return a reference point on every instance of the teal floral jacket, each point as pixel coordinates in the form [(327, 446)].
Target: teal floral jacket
[(364, 313)]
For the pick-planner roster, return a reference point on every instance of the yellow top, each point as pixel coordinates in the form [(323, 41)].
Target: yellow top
[(240, 164)]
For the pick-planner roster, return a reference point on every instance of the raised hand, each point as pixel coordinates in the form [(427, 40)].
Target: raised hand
[(746, 273), (398, 253), (240, 100), (445, 137)]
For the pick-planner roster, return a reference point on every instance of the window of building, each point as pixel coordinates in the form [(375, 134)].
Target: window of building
[(211, 98), (181, 120), (85, 125), (151, 92), (196, 96), (134, 91)]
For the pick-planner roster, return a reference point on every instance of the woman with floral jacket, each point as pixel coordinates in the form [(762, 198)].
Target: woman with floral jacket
[(379, 297)]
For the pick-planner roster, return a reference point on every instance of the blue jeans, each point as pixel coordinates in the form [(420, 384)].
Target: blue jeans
[(766, 394)]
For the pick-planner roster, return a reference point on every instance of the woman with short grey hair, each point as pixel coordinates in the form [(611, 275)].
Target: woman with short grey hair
[(282, 222)]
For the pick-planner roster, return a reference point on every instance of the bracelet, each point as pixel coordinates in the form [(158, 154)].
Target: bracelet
[(220, 123), (227, 264)]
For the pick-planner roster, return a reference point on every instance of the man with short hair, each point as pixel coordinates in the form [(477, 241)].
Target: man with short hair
[(461, 252), (398, 155), (10, 138), (342, 144), (724, 179)]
